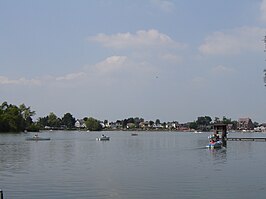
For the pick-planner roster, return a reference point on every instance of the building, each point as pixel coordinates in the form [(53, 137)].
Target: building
[(80, 124), (245, 124)]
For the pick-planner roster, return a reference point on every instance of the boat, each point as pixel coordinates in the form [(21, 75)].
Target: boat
[(103, 138), (37, 138), (215, 141), (215, 145), (134, 134)]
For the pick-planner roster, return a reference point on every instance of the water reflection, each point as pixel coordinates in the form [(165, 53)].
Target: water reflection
[(219, 156), (14, 156)]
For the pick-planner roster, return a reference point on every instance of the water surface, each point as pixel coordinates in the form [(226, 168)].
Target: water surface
[(154, 165)]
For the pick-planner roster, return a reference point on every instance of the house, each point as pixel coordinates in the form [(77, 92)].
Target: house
[(115, 125), (245, 124), (172, 125), (144, 125), (131, 125), (80, 124)]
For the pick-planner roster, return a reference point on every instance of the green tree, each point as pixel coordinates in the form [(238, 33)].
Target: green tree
[(157, 122), (11, 119), (203, 123), (68, 120), (216, 120), (27, 116), (93, 124), (193, 125), (151, 123), (53, 120), (226, 120), (42, 122)]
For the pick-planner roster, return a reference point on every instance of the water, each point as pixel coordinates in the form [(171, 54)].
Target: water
[(151, 165)]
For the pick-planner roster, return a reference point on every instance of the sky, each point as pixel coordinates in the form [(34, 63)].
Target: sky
[(155, 59)]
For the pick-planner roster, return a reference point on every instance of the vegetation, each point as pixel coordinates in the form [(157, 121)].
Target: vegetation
[(93, 124), (16, 119), (19, 118), (53, 122)]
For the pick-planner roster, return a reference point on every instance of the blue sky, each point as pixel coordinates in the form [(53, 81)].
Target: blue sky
[(156, 59)]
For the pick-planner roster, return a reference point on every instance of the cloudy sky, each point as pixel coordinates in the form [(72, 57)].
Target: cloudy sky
[(114, 59)]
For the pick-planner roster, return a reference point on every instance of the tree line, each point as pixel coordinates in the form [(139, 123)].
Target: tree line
[(19, 118)]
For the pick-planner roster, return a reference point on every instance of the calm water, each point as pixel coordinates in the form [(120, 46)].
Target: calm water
[(151, 165)]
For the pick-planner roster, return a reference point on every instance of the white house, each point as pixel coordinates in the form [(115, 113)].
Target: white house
[(80, 124)]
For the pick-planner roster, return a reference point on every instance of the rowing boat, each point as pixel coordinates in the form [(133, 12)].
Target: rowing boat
[(37, 139)]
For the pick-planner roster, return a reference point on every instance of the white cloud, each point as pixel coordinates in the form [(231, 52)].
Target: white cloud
[(220, 69), (235, 41), (71, 76), (23, 81), (111, 64), (263, 10), (142, 38), (164, 5)]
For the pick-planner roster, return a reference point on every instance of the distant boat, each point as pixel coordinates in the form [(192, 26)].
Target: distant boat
[(134, 134), (103, 138), (37, 138), (197, 132)]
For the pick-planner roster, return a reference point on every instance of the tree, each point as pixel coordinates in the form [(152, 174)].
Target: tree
[(137, 121), (226, 120), (68, 120), (157, 122), (193, 125), (93, 124), (151, 123), (42, 122), (203, 123), (11, 119), (216, 120), (53, 120), (27, 116)]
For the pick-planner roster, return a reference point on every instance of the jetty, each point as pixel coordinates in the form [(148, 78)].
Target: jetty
[(256, 139), (223, 128)]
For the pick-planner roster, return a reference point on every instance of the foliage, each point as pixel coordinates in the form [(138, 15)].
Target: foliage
[(15, 119), (204, 121), (157, 122), (68, 120), (42, 122), (93, 124), (193, 125), (53, 120)]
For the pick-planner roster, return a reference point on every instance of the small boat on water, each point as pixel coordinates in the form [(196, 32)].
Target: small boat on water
[(134, 134), (37, 138), (214, 142), (214, 145), (103, 138)]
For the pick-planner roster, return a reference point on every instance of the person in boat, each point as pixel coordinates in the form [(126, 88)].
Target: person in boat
[(216, 136), (212, 141), (103, 135)]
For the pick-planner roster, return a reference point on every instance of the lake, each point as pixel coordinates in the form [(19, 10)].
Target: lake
[(152, 165)]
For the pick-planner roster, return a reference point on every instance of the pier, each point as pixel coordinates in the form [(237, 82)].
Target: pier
[(256, 139)]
